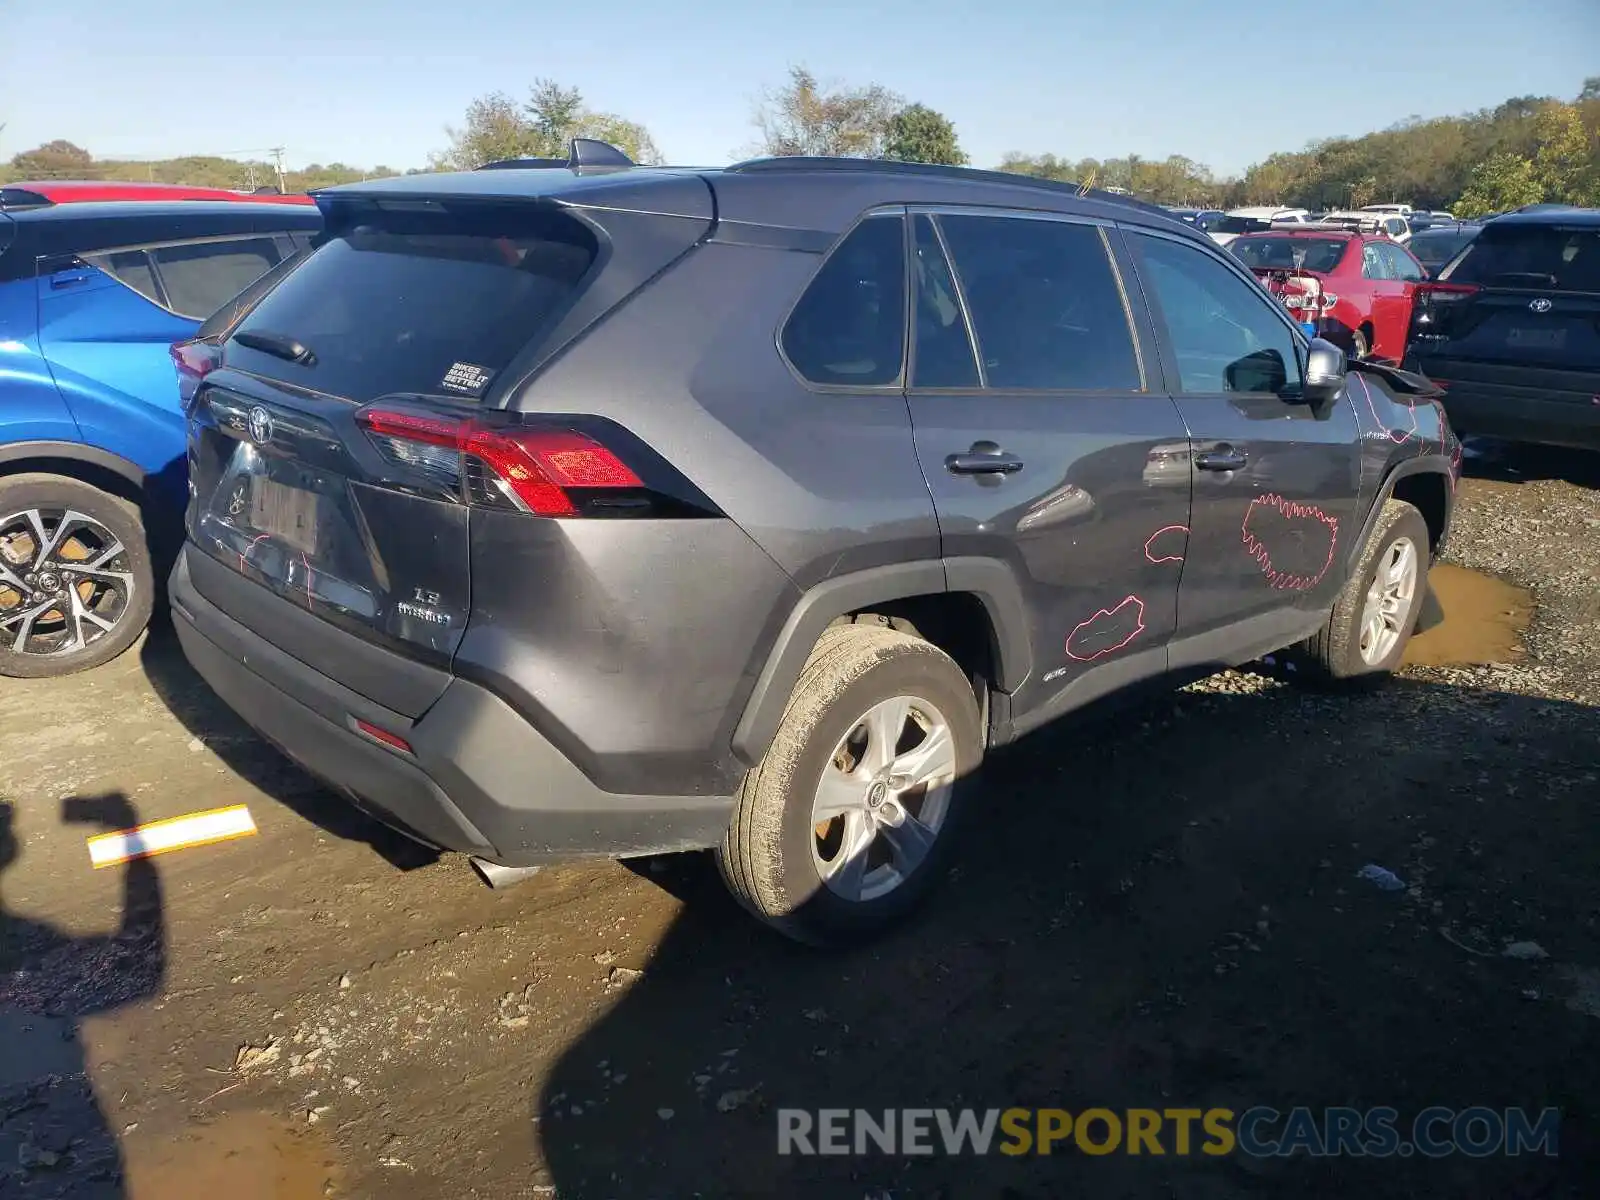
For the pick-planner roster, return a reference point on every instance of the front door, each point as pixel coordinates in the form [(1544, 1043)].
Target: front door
[(1046, 445), (1275, 484)]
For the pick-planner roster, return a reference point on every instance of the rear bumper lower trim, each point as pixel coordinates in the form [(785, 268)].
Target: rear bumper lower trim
[(481, 780)]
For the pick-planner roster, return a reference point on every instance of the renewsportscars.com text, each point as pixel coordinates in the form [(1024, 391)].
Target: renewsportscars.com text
[(1261, 1131)]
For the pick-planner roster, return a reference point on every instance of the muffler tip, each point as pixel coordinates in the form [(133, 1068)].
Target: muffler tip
[(498, 876)]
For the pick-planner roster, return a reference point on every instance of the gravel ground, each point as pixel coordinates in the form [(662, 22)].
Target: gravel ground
[(1161, 909)]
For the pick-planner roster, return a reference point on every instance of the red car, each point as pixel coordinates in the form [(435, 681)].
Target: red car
[(1356, 287), (68, 191)]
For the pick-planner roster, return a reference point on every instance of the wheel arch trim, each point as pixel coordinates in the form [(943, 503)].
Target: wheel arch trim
[(990, 581), (1416, 466), (82, 452)]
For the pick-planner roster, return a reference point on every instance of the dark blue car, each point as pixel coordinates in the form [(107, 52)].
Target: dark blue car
[(92, 298)]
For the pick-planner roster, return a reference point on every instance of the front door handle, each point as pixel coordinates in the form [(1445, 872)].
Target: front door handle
[(1222, 457), (984, 458)]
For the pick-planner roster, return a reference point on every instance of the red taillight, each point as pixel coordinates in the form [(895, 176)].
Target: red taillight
[(394, 741), (194, 361), (540, 467), (1446, 291)]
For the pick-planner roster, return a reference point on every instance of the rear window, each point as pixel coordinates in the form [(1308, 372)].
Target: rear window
[(1545, 257), (220, 321), (418, 296), (1296, 253)]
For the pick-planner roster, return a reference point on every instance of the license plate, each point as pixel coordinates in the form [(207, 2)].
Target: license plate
[(1537, 339), (287, 513)]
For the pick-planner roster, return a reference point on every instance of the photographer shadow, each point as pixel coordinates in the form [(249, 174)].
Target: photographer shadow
[(262, 765), (54, 1137)]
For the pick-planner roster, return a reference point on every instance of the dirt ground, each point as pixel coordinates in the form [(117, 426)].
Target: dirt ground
[(1159, 908)]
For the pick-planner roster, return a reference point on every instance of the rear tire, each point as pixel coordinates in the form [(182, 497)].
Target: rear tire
[(102, 560), (1373, 618), (786, 859)]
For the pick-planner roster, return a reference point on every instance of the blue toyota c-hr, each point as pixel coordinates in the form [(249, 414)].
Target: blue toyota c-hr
[(93, 298)]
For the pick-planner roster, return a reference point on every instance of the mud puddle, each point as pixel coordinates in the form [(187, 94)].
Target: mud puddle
[(1484, 620), (243, 1156)]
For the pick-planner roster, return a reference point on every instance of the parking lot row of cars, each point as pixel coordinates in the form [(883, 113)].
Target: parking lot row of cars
[(1496, 309), (586, 478)]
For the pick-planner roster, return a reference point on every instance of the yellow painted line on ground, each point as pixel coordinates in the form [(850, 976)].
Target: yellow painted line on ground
[(173, 833)]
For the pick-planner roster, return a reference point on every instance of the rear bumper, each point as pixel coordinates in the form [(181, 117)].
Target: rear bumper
[(1551, 408), (479, 779)]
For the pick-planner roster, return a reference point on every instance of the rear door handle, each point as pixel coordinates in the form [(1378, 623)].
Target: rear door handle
[(984, 458), (1221, 458)]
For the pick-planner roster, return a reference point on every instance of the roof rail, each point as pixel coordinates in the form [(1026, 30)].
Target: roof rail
[(583, 153), (939, 171)]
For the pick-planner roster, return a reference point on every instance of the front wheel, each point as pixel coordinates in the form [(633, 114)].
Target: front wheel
[(76, 587), (1372, 619), (849, 818)]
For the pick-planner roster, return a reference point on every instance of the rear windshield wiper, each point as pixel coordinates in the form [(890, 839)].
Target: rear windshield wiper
[(279, 345)]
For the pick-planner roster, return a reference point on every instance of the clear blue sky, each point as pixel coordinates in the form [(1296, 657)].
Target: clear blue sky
[(365, 82)]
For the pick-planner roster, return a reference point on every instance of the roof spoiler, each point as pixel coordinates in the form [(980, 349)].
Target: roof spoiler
[(583, 153)]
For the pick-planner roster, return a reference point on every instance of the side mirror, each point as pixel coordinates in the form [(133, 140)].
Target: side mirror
[(1325, 372)]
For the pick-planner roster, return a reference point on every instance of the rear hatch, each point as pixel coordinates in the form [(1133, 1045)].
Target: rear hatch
[(1522, 302), (338, 453)]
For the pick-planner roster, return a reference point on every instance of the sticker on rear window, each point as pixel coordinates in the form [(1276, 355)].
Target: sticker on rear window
[(466, 379)]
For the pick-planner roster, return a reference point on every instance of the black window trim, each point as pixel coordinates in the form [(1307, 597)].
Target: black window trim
[(897, 386), (147, 249), (1172, 379), (1105, 227)]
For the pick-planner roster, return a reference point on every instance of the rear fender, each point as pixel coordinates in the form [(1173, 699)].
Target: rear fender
[(990, 581)]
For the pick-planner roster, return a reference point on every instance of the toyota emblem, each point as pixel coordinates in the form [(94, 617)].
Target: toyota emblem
[(260, 426), (1541, 305)]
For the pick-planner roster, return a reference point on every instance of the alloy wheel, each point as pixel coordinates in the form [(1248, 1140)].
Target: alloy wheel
[(65, 581), (1389, 601), (883, 798)]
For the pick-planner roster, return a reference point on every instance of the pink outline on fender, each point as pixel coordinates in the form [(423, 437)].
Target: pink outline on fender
[(1401, 437), (1166, 557), (1290, 510), (1102, 615)]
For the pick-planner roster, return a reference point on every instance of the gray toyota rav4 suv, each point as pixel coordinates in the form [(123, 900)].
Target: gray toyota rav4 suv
[(569, 509)]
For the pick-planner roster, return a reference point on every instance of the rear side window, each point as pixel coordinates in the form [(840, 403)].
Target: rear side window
[(203, 276), (848, 329), (1045, 304), (1545, 257), (131, 267), (1401, 264), (1434, 249), (942, 354), (427, 298)]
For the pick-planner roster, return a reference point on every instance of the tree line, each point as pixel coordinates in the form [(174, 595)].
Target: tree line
[(1526, 150)]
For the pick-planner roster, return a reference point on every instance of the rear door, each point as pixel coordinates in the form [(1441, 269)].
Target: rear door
[(1275, 485), (1407, 272), (1047, 442), (1387, 293)]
